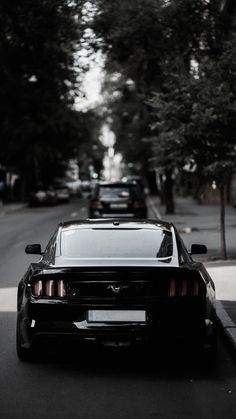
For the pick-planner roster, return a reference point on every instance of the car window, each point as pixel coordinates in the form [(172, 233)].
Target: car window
[(113, 192), (119, 243)]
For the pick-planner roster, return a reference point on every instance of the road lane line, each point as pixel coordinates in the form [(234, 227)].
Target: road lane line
[(74, 214), (153, 208)]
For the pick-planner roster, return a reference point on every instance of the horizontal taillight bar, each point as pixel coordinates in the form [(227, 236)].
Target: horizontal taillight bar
[(96, 205), (49, 288), (138, 204), (183, 288)]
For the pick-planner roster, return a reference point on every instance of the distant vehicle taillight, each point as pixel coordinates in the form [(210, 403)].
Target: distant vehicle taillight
[(172, 288), (49, 288), (184, 288), (138, 204), (96, 205)]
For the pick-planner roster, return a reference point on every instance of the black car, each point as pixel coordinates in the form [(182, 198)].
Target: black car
[(115, 282), (117, 199)]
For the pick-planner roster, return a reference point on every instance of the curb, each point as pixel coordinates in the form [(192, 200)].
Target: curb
[(228, 326), (8, 209)]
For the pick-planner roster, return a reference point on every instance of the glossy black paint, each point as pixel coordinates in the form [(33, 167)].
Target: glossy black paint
[(198, 249), (33, 249), (90, 284)]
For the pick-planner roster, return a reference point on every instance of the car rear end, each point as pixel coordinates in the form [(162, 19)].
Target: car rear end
[(115, 200), (112, 305)]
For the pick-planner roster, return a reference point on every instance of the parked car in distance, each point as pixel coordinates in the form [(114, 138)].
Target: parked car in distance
[(43, 196), (63, 192), (117, 199), (115, 282)]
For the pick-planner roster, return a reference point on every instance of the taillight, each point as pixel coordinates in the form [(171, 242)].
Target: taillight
[(195, 289), (96, 205), (138, 204), (184, 288), (50, 291), (61, 290), (38, 288), (49, 288), (172, 288)]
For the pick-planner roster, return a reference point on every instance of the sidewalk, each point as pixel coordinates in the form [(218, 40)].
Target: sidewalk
[(10, 208), (200, 224)]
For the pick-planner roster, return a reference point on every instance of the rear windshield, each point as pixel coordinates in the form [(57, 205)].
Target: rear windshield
[(110, 243), (107, 192)]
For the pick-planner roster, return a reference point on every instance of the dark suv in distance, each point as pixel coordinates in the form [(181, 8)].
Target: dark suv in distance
[(117, 199)]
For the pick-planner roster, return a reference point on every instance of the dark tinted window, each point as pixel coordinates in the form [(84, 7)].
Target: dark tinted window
[(110, 243), (118, 191), (114, 192)]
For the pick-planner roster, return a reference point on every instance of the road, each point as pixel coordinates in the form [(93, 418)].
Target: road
[(101, 383)]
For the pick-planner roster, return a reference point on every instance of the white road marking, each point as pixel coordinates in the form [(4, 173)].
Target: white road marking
[(74, 214), (8, 297), (153, 208)]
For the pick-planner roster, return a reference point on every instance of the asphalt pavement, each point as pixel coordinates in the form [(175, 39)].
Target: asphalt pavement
[(200, 224)]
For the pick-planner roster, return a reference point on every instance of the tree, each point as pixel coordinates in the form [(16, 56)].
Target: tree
[(195, 121), (141, 39), (39, 126)]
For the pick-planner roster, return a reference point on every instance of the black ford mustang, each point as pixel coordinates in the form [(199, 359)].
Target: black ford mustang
[(115, 282)]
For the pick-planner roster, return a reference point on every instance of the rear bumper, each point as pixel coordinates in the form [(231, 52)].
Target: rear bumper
[(69, 323)]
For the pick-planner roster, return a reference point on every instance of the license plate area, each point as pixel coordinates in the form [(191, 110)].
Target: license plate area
[(118, 206), (116, 316)]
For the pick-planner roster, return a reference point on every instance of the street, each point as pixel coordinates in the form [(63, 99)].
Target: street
[(104, 383)]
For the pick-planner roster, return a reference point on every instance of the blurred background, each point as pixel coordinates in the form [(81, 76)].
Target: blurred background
[(97, 90)]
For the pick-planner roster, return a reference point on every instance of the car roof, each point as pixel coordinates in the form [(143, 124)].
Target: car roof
[(115, 224)]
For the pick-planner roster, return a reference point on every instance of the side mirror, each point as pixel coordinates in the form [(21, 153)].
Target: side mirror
[(198, 249), (33, 249)]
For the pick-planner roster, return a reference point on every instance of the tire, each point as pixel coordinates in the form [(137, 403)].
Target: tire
[(24, 354), (211, 348)]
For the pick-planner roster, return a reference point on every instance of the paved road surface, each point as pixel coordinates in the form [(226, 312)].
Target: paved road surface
[(100, 384)]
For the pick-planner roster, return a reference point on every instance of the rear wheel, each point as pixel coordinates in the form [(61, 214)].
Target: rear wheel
[(24, 354), (211, 347)]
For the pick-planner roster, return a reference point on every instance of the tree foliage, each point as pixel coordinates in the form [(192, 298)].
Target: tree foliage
[(38, 83), (150, 43)]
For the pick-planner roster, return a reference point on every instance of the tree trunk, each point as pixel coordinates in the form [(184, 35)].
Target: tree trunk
[(162, 189), (169, 196), (222, 223)]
